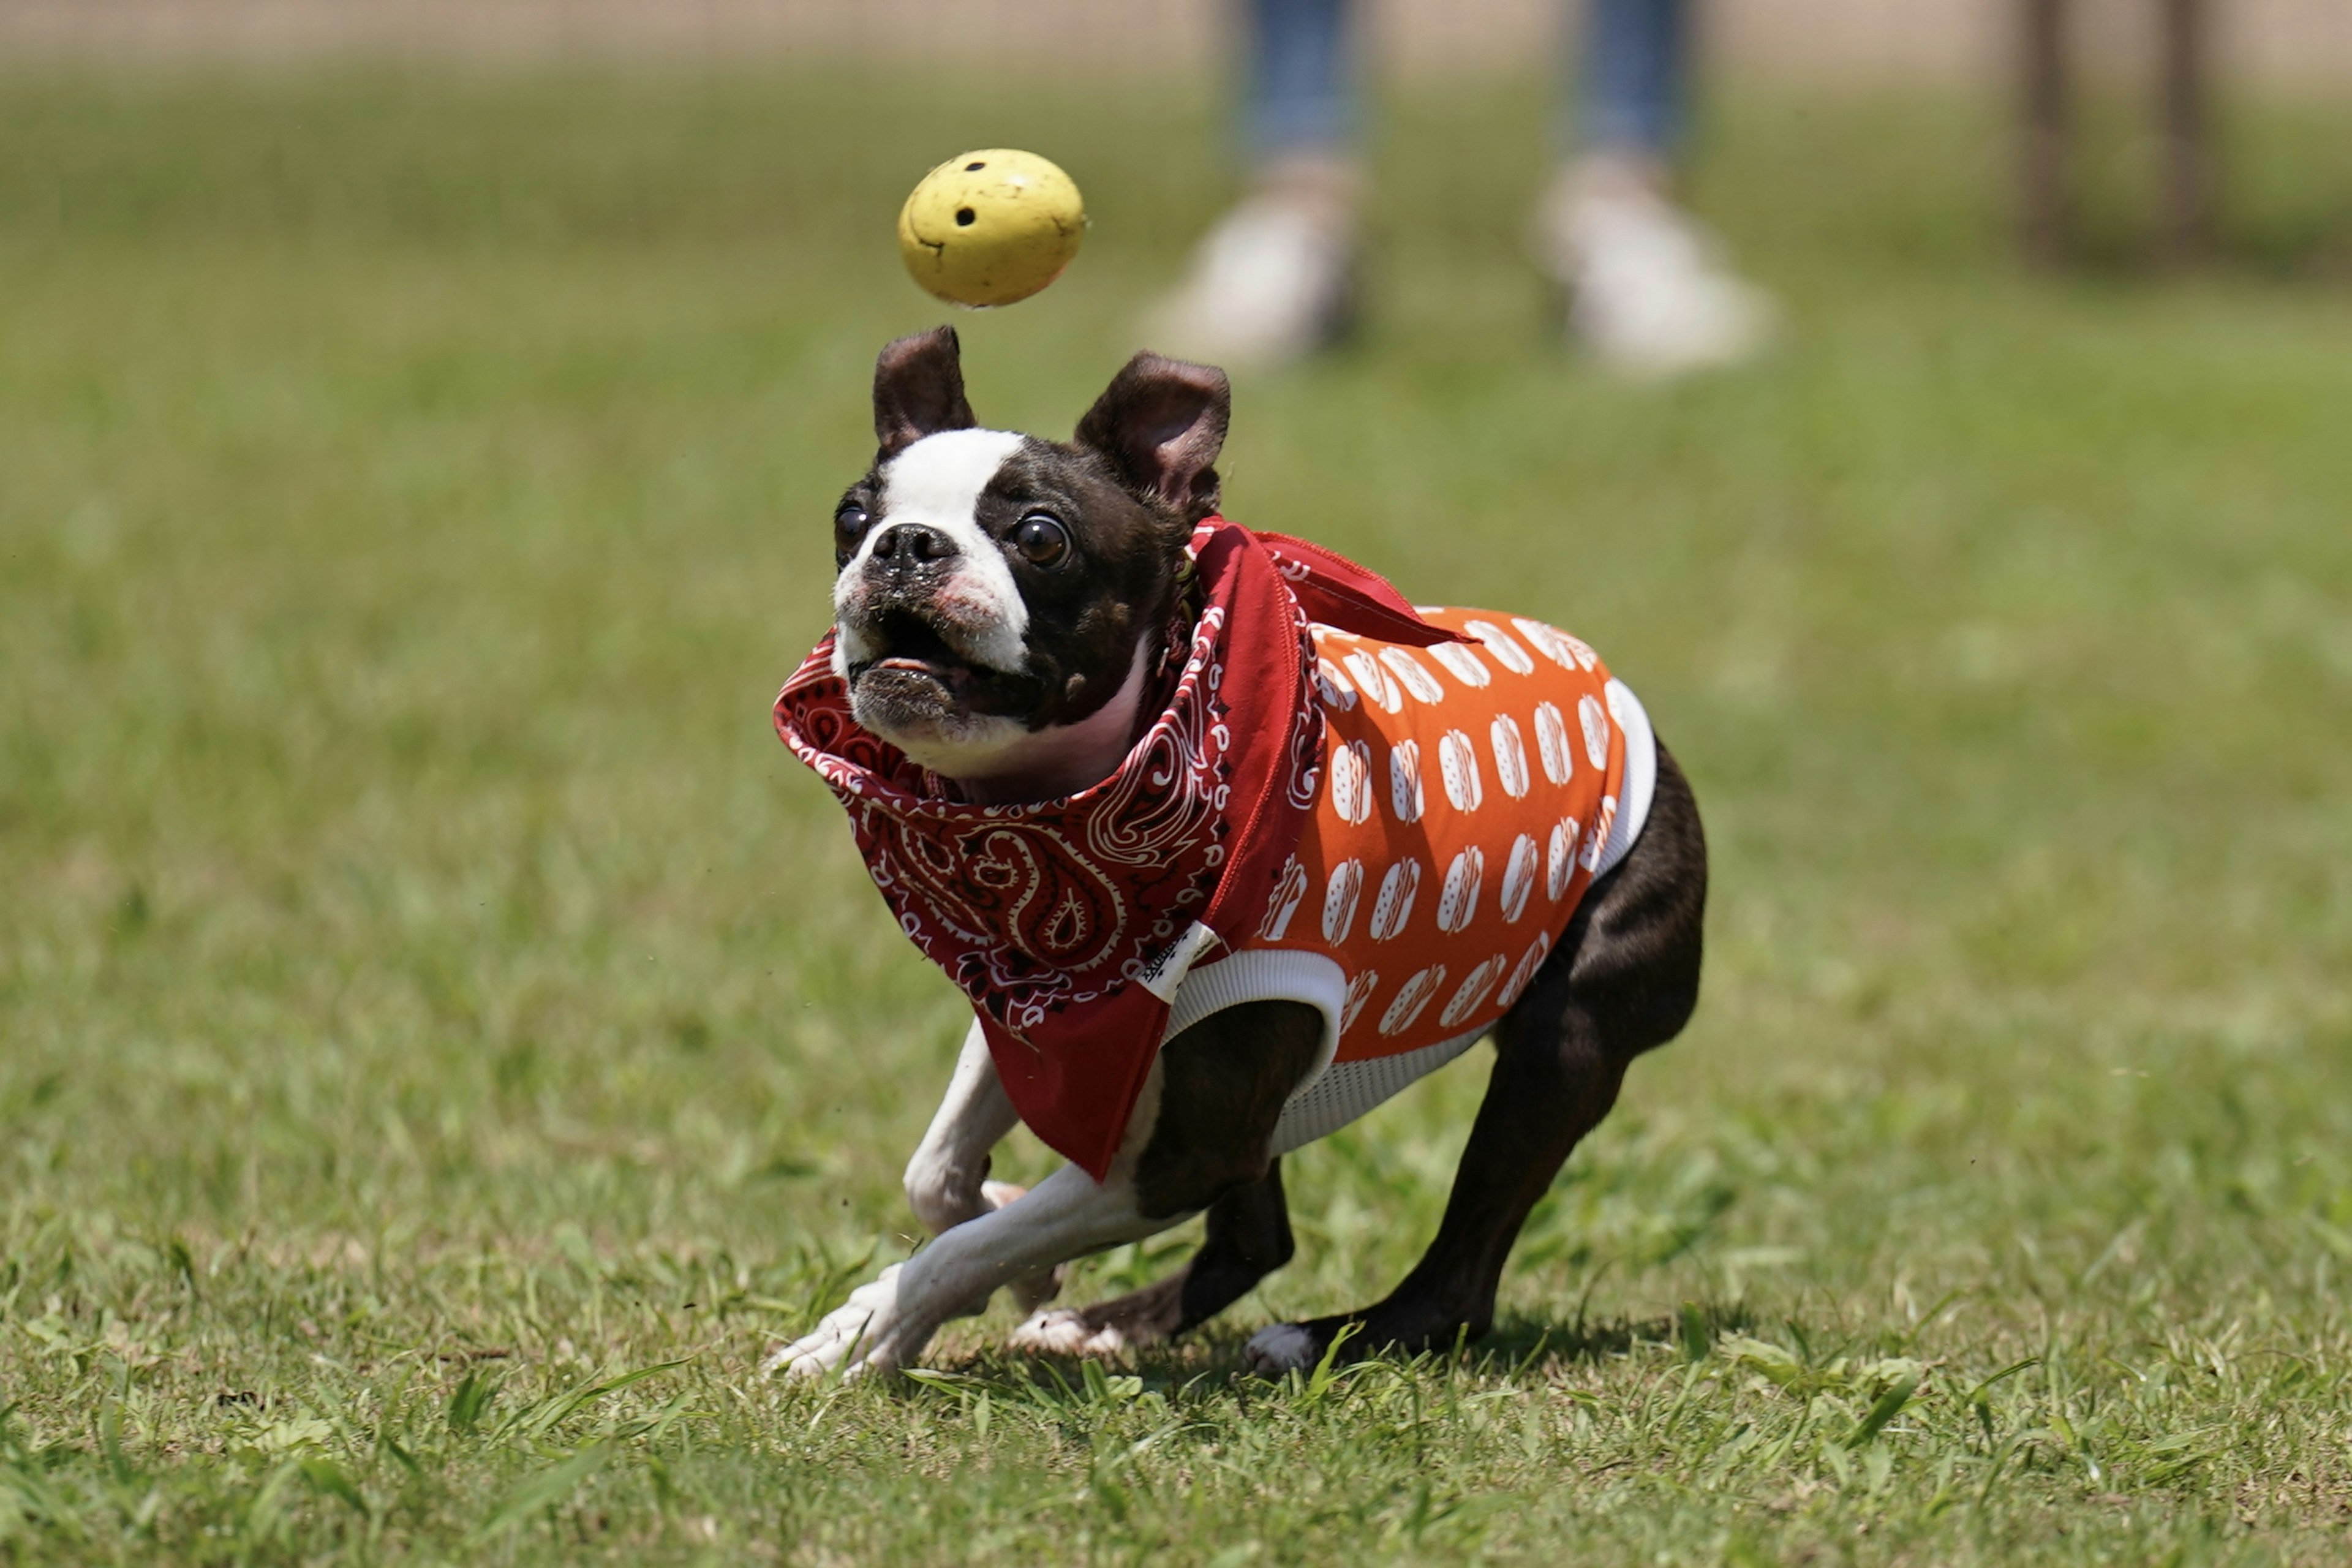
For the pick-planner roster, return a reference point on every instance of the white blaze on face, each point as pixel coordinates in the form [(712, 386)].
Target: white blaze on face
[(937, 482)]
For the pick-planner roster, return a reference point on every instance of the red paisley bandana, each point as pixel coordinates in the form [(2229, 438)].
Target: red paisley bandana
[(1067, 922)]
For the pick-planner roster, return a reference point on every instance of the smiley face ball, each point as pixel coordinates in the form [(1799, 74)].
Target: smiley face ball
[(990, 227)]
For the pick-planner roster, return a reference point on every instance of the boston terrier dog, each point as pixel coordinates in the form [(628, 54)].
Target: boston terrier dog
[(1007, 611)]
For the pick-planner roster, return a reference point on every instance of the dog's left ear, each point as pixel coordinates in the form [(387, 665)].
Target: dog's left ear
[(1161, 423)]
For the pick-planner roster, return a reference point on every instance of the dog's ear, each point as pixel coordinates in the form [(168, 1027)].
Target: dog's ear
[(1160, 423), (918, 390)]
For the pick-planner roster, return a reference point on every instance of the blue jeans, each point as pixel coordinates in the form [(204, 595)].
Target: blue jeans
[(1634, 65)]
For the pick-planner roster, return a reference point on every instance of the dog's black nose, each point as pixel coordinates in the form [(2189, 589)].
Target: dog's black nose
[(911, 545)]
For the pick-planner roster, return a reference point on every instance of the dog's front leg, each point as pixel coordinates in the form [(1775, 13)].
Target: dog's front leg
[(947, 1181), (885, 1324)]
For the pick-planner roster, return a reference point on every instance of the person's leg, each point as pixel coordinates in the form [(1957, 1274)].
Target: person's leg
[(1635, 71), (1300, 85), (1646, 291), (1273, 280)]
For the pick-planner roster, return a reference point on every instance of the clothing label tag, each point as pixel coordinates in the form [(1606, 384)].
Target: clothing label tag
[(1167, 972)]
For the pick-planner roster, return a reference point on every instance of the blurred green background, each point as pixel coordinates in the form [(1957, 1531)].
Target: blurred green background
[(428, 993)]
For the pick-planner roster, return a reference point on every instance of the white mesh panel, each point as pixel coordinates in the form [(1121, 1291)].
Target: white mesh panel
[(1348, 1089)]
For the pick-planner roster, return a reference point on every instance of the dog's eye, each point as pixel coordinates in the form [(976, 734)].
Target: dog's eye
[(1041, 539), (849, 526)]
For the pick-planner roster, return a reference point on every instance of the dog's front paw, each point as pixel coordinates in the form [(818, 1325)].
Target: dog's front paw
[(1067, 1332), (865, 1320), (1279, 1348)]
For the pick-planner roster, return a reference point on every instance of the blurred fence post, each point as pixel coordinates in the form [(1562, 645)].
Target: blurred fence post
[(2042, 164), (2188, 164)]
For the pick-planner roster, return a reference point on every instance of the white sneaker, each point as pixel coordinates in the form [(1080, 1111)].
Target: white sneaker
[(1274, 280), (1649, 293)]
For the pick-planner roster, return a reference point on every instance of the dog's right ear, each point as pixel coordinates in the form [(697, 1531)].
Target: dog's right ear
[(919, 390)]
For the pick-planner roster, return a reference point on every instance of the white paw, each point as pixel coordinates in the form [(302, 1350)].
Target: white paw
[(1065, 1333), (1279, 1348), (865, 1319)]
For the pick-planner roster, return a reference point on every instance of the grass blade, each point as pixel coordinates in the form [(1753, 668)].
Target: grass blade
[(543, 1490), (329, 1479), (549, 1414), (470, 1402), (1889, 1406)]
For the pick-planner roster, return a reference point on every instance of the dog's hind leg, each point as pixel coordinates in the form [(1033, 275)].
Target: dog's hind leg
[(1623, 979), (1248, 1238)]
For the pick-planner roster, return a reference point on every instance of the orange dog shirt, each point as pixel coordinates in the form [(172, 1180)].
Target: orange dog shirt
[(1472, 791)]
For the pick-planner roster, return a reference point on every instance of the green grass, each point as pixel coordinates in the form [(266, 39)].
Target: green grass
[(444, 1039)]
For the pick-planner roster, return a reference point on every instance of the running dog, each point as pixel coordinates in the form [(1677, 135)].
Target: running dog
[(1225, 843)]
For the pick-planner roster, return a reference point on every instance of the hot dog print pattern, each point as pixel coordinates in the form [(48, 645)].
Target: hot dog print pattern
[(1468, 794)]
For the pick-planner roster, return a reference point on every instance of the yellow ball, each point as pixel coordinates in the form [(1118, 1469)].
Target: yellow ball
[(990, 227)]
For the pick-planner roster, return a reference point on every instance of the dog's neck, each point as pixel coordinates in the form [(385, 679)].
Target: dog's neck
[(1063, 759)]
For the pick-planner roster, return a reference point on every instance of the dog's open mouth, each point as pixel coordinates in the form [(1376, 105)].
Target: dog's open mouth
[(907, 643)]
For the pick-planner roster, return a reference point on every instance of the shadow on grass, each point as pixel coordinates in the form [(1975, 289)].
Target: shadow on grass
[(1213, 1359), (1520, 1340)]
